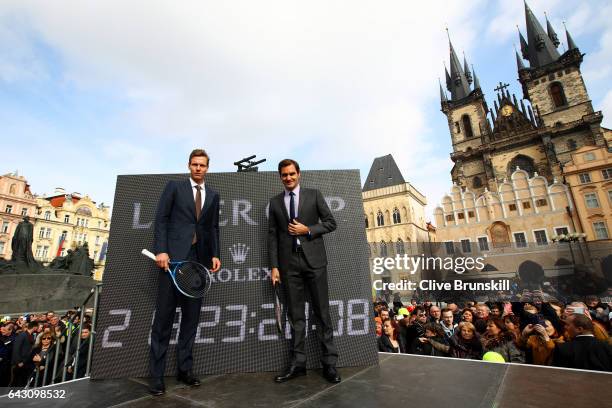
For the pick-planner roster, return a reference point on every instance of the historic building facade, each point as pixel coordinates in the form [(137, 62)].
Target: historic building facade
[(514, 162), (65, 221), (394, 214), (589, 175), (537, 133), (16, 202)]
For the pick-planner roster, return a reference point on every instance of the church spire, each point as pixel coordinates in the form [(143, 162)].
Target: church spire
[(466, 69), (524, 46), (570, 41), (551, 33), (459, 86), (476, 81), (541, 50), (443, 97), (519, 61)]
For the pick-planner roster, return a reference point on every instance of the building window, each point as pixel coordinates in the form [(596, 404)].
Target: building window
[(540, 237), (48, 233), (450, 247), (526, 205), (467, 126), (461, 216), (64, 235), (520, 240), (483, 243), (5, 227), (457, 127), (380, 219), (466, 246), (45, 252), (1, 247), (383, 248), (541, 202), (9, 209), (584, 178), (41, 233), (450, 217), (571, 144), (512, 207), (524, 163), (561, 231), (557, 95), (601, 232), (607, 174), (24, 212), (610, 196), (591, 200), (590, 156), (477, 182), (471, 214), (66, 219), (367, 225), (47, 215), (38, 251), (399, 247), (396, 216)]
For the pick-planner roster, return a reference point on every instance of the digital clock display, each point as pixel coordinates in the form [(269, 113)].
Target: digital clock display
[(236, 332)]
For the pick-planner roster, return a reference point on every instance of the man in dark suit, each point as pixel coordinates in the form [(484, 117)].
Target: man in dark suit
[(22, 355), (584, 351), (186, 228), (298, 218)]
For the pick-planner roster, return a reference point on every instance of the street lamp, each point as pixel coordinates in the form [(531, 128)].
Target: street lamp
[(569, 238)]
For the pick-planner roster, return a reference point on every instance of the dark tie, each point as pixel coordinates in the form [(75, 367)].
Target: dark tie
[(292, 216), (198, 209)]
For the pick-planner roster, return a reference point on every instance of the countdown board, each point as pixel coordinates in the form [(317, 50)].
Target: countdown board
[(237, 330)]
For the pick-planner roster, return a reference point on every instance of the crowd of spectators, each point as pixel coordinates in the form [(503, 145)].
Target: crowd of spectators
[(529, 330), (33, 348)]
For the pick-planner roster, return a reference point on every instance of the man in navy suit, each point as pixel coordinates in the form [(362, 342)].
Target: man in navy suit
[(186, 228)]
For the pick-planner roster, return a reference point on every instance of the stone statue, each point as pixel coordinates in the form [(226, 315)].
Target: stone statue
[(80, 262), (22, 258), (62, 262)]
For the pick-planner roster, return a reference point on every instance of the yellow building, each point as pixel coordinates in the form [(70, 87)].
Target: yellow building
[(518, 222), (16, 201), (589, 176), (65, 221), (394, 214)]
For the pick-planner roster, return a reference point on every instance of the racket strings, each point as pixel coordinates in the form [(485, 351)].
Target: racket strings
[(193, 279)]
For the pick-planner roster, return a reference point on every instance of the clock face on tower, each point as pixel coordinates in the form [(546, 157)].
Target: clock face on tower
[(507, 110)]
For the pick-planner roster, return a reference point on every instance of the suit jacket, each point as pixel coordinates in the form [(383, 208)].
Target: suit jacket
[(586, 353), (312, 212), (175, 223), (22, 348)]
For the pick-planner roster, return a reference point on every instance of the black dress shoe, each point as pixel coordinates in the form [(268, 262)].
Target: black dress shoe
[(157, 387), (331, 374), (291, 373), (187, 378)]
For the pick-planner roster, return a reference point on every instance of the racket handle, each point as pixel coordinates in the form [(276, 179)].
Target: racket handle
[(148, 254)]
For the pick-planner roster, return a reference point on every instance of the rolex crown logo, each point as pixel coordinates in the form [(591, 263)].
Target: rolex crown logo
[(239, 253)]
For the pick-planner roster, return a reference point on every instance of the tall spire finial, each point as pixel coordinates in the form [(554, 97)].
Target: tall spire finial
[(551, 32), (519, 60), (466, 70), (476, 81), (570, 41), (459, 85), (541, 50), (443, 97)]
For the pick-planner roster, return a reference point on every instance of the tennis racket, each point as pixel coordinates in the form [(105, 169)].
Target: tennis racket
[(190, 278), (278, 312)]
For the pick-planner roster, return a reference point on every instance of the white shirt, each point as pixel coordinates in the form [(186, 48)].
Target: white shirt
[(296, 202), (194, 191)]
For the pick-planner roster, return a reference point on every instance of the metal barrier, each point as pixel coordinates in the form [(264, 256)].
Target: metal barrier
[(70, 361)]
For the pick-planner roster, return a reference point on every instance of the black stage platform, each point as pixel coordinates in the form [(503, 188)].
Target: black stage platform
[(399, 380)]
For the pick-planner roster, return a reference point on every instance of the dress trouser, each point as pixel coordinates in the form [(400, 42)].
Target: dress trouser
[(168, 297), (299, 277)]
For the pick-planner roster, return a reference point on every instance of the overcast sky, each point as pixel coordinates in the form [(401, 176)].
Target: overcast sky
[(90, 90)]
